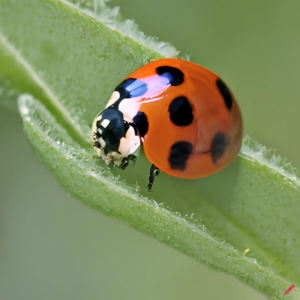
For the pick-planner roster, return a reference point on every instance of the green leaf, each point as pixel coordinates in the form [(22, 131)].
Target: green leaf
[(8, 95), (87, 178), (71, 59)]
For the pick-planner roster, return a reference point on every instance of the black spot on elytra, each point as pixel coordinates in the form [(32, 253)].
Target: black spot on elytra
[(218, 146), (225, 93), (181, 111), (141, 123), (174, 75), (130, 88), (114, 131), (180, 153)]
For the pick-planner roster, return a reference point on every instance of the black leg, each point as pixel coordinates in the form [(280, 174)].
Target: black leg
[(133, 158), (154, 171), (124, 165), (125, 161)]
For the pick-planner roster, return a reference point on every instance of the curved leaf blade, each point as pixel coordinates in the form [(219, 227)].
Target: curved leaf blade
[(68, 50), (256, 202), (87, 178)]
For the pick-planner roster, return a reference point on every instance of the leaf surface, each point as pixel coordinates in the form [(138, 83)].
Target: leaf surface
[(71, 59)]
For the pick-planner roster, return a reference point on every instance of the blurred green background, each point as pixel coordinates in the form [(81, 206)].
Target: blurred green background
[(53, 247)]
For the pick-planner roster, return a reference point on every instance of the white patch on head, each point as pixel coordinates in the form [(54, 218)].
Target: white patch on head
[(130, 143), (102, 143), (105, 123), (115, 96), (129, 108), (99, 130), (99, 152)]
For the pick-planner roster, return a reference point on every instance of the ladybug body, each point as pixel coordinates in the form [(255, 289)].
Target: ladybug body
[(186, 117)]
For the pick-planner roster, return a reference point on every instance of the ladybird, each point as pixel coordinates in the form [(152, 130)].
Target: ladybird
[(184, 115)]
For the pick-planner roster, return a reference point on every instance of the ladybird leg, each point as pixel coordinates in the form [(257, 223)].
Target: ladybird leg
[(124, 163), (133, 158), (154, 171)]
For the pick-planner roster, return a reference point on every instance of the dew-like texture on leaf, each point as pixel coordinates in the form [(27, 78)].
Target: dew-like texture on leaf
[(87, 178), (112, 18), (75, 55), (8, 95), (71, 60)]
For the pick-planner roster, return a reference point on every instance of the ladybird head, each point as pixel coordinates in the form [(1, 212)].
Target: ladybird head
[(112, 137)]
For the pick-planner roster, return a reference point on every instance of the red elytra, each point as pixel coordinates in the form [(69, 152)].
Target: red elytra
[(194, 125), (211, 116)]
